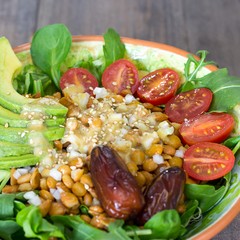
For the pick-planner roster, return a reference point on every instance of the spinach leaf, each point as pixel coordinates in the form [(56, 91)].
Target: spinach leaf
[(8, 228), (75, 228), (113, 48), (49, 48), (164, 225), (207, 195), (35, 226), (6, 206), (116, 231), (233, 143)]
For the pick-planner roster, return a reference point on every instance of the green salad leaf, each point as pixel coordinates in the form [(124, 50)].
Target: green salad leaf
[(164, 225), (8, 228), (225, 88), (35, 226), (6, 206), (207, 195), (49, 48), (113, 48), (190, 212), (233, 143)]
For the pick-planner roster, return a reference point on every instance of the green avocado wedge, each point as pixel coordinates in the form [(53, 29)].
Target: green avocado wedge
[(10, 98), (18, 161), (12, 119), (14, 149), (22, 135)]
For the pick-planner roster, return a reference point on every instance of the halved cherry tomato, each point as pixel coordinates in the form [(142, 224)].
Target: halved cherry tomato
[(208, 161), (158, 87), (188, 104), (209, 127), (79, 77), (119, 76)]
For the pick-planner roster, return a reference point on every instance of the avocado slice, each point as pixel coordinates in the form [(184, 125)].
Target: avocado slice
[(10, 98), (22, 135), (14, 149), (16, 120), (18, 161)]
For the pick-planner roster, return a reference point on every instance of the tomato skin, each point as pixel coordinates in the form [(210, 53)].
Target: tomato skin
[(188, 104), (159, 86), (208, 127), (80, 77), (208, 161), (119, 76)]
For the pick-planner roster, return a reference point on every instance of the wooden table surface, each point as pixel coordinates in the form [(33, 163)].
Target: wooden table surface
[(188, 24)]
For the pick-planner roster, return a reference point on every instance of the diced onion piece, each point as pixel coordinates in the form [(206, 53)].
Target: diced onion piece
[(129, 98), (157, 158), (100, 92), (57, 175)]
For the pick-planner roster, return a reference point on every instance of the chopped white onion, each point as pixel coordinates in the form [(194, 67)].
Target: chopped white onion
[(157, 158), (179, 153), (129, 98), (16, 174), (29, 195), (57, 175), (56, 193), (100, 92)]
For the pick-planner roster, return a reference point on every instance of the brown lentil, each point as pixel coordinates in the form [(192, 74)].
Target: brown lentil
[(87, 199), (168, 149), (65, 169), (148, 176), (149, 165), (85, 218), (45, 207), (24, 178), (69, 200), (35, 179), (155, 148), (57, 208), (95, 210), (140, 178), (173, 141), (67, 180), (45, 194), (43, 184), (132, 167), (10, 189), (175, 162), (138, 156), (63, 187), (51, 182), (13, 180), (86, 179), (78, 189), (24, 187)]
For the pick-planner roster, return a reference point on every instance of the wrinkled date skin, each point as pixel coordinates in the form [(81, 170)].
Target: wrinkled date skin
[(116, 188), (164, 193)]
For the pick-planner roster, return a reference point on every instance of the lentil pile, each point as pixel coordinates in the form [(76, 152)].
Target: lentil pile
[(139, 132)]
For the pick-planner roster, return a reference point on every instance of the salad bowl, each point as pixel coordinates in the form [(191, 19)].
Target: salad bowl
[(155, 56)]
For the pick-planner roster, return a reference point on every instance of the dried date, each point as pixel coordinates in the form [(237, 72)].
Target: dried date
[(116, 188), (164, 193)]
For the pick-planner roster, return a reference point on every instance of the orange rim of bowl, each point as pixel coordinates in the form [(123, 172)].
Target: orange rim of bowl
[(214, 229)]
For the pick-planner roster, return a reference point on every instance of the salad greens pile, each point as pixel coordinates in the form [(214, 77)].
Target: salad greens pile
[(49, 49)]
